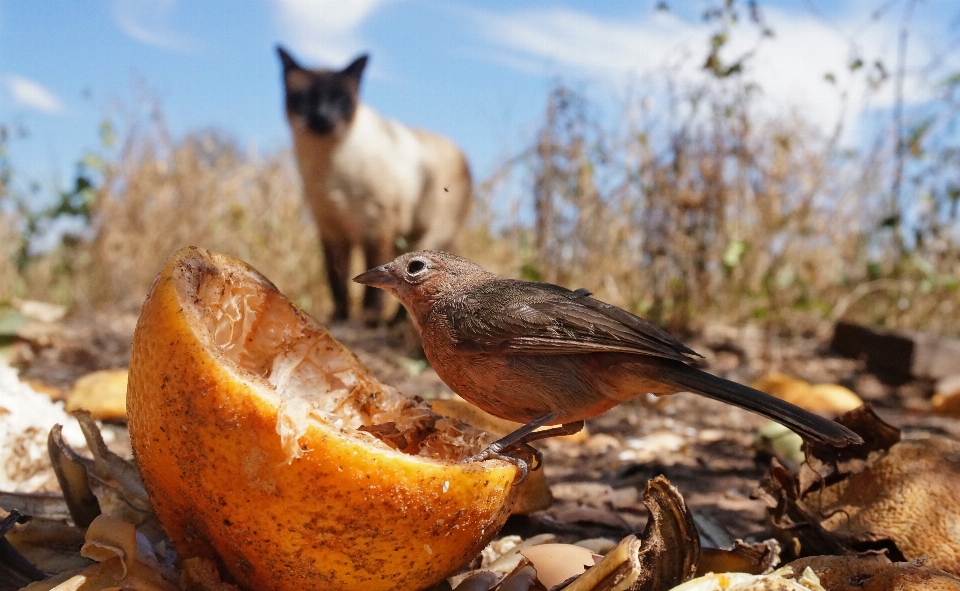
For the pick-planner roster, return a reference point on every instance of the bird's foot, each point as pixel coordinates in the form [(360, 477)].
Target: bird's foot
[(496, 451), (520, 441)]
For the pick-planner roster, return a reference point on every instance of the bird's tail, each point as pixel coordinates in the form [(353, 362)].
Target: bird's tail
[(809, 426)]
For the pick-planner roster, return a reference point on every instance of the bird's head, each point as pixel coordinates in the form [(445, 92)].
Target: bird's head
[(419, 279)]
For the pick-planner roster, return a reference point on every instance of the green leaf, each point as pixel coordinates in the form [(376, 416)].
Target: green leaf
[(785, 277), (733, 253), (93, 162), (530, 273), (11, 321), (951, 80), (916, 135), (108, 135), (925, 267)]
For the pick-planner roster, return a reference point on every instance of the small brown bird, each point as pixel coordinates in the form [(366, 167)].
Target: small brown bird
[(541, 354)]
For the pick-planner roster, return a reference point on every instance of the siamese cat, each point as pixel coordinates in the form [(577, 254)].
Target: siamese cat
[(369, 181)]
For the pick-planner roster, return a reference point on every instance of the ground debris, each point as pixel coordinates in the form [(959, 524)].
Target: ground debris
[(588, 494), (752, 559), (888, 499), (113, 544), (15, 570), (848, 573), (664, 555)]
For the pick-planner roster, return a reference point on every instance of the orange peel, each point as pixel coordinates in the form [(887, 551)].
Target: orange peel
[(267, 447)]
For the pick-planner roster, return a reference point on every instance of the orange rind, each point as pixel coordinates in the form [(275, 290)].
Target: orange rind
[(269, 449)]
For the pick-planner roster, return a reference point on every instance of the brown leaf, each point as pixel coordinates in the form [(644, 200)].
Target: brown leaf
[(826, 464), (792, 523), (71, 470), (665, 555), (753, 559)]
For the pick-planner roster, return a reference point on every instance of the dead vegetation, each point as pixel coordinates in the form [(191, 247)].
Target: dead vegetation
[(706, 209), (159, 195), (856, 514), (709, 209)]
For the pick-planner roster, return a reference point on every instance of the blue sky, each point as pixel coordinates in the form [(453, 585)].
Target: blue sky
[(478, 72)]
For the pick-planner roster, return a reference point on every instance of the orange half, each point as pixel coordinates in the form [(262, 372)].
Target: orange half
[(267, 447)]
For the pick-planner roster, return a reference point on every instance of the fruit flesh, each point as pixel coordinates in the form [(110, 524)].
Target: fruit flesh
[(244, 415), (313, 375)]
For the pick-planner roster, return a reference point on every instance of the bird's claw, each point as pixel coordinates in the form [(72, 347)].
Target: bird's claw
[(494, 451)]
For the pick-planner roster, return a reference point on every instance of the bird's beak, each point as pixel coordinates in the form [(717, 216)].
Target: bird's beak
[(376, 277)]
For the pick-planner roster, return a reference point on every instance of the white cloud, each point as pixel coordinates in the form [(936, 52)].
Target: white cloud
[(324, 30), (789, 68), (33, 95), (146, 21)]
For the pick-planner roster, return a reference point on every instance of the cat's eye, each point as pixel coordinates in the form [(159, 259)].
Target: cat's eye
[(344, 103), (296, 99), (416, 266)]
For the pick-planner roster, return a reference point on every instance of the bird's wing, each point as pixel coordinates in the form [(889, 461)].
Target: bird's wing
[(524, 318)]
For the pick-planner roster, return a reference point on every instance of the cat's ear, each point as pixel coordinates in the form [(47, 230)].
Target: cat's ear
[(288, 62), (355, 69)]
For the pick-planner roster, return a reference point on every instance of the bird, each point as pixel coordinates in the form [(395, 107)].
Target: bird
[(541, 354)]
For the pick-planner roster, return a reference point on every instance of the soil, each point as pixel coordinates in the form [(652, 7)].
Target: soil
[(708, 450)]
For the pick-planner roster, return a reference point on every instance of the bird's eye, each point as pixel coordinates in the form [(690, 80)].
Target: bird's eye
[(415, 266)]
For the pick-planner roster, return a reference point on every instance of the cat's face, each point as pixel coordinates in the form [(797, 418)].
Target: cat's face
[(322, 101)]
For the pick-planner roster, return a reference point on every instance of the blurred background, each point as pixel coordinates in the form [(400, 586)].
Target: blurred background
[(788, 163)]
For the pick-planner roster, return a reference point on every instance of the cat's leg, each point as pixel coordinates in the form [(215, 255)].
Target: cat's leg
[(376, 251), (336, 254)]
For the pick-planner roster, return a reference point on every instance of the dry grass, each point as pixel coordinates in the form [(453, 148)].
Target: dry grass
[(710, 211), (704, 212), (160, 196), (10, 279), (200, 192)]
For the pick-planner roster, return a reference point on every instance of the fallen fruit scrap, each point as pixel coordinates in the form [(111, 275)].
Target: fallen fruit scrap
[(268, 458), (267, 446)]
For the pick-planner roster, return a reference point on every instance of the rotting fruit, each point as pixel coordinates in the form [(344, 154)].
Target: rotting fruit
[(267, 447)]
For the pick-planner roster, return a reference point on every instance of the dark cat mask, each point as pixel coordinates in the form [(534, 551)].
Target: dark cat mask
[(321, 100)]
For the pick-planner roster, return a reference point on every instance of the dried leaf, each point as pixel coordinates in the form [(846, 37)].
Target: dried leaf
[(665, 555), (753, 559), (886, 496), (44, 505), (905, 502), (52, 546), (113, 543), (506, 563), (520, 579), (792, 523), (482, 580), (826, 464), (72, 472), (104, 484), (556, 563)]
